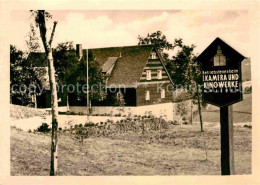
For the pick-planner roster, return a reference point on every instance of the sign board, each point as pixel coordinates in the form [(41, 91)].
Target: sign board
[(221, 74)]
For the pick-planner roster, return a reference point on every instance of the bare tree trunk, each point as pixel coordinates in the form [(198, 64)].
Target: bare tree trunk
[(54, 97), (199, 107), (54, 110)]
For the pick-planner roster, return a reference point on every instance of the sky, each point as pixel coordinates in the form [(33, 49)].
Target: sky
[(109, 28)]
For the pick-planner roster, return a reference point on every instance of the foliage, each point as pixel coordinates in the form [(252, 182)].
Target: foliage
[(248, 90), (44, 127), (96, 79), (65, 62), (141, 125), (67, 66), (179, 66), (21, 77), (181, 108), (159, 40), (71, 70), (37, 18), (32, 40)]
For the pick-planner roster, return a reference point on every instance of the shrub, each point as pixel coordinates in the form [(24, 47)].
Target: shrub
[(90, 124), (185, 123), (118, 115), (248, 126), (248, 90), (43, 128), (174, 122)]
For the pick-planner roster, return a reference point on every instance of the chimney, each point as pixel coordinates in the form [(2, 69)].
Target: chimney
[(79, 50)]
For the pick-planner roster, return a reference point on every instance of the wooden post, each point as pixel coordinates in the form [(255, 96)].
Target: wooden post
[(227, 149), (68, 106), (87, 86)]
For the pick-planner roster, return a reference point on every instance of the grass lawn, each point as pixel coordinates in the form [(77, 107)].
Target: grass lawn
[(242, 111), (175, 151)]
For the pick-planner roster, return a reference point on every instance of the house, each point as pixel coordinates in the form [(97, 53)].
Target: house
[(43, 96), (136, 72)]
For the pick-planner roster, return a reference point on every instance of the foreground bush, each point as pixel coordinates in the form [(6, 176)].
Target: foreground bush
[(44, 128), (143, 126)]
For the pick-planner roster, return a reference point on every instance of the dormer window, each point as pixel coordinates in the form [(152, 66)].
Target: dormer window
[(148, 75), (153, 55), (219, 58), (159, 74)]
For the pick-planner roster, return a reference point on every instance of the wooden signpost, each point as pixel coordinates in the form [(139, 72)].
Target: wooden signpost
[(222, 87)]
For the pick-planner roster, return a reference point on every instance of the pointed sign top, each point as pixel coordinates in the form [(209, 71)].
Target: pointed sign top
[(227, 50)]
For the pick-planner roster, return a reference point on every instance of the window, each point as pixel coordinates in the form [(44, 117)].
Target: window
[(162, 93), (159, 74), (148, 75), (153, 55), (219, 58), (147, 95)]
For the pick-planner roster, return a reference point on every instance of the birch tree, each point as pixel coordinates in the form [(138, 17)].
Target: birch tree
[(40, 20)]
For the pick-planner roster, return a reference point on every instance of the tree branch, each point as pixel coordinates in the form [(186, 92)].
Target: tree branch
[(53, 31), (40, 20)]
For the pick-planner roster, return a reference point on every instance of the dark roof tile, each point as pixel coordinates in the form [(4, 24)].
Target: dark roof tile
[(130, 64)]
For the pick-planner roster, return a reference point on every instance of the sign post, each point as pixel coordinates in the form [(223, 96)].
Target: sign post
[(222, 87), (227, 144)]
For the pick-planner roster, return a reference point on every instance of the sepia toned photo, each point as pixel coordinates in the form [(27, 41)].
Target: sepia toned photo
[(130, 93)]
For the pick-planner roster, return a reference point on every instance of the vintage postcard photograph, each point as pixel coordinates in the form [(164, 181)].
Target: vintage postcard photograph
[(130, 92)]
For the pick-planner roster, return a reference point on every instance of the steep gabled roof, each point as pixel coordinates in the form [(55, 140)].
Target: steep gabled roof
[(128, 63), (129, 66), (161, 60)]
